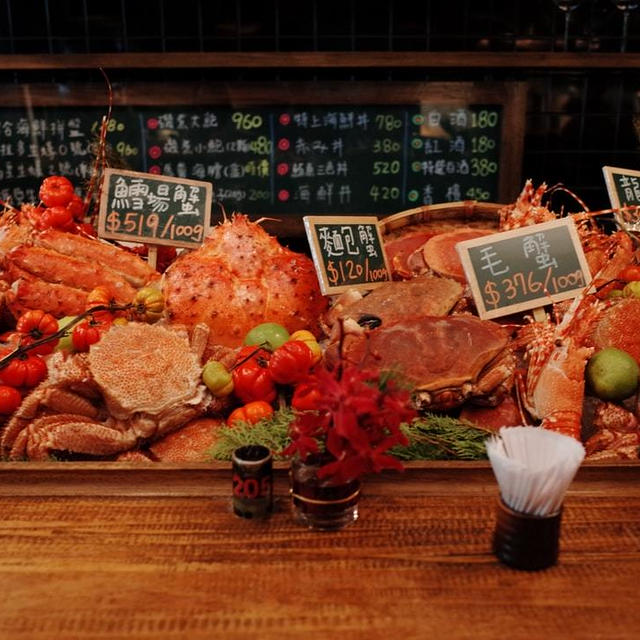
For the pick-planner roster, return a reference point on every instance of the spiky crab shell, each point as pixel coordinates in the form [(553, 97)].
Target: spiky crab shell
[(241, 277), (145, 368)]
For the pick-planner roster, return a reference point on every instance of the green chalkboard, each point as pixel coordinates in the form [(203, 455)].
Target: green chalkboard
[(525, 268), (623, 186), (347, 252), (283, 149), (154, 209)]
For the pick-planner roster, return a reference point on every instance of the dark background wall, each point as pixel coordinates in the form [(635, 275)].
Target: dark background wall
[(577, 120)]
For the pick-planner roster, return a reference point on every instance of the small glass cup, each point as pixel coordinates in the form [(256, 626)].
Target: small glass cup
[(320, 504), (252, 481)]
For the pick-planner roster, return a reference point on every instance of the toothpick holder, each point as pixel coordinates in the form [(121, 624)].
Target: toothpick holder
[(524, 541)]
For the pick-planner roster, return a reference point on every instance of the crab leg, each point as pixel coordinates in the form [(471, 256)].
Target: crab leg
[(32, 293), (129, 266), (68, 432), (74, 272)]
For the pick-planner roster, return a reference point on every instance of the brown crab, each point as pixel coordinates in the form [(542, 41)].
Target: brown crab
[(137, 384), (446, 360)]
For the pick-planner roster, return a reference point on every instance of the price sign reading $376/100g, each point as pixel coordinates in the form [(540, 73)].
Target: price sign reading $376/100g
[(154, 209), (525, 268)]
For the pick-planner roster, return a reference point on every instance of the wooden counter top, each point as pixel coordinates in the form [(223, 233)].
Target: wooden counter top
[(156, 553)]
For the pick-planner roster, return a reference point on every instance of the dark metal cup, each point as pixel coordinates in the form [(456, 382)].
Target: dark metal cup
[(524, 541), (252, 481)]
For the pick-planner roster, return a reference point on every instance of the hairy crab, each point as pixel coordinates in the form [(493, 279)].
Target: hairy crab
[(446, 360), (239, 278), (138, 383)]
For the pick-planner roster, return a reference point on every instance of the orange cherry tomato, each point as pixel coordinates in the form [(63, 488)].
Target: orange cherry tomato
[(100, 296), (631, 273), (251, 412)]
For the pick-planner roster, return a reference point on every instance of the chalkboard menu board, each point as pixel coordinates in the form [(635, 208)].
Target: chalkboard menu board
[(525, 268), (347, 252), (154, 209), (310, 153)]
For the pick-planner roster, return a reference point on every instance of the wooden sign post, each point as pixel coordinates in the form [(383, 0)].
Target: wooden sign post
[(525, 268), (154, 210), (347, 252), (623, 186)]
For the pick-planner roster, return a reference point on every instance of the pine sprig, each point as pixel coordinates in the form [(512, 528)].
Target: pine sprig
[(431, 437), (272, 432), (434, 437)]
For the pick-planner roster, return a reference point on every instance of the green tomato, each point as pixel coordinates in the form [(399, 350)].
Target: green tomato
[(217, 378), (268, 335), (65, 344), (631, 289)]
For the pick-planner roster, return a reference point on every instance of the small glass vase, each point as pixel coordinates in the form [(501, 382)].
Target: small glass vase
[(319, 503)]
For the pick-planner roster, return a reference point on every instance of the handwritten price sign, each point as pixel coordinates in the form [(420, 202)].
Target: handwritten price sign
[(154, 209), (525, 268), (347, 252)]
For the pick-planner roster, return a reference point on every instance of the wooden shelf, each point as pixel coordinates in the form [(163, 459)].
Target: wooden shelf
[(324, 60)]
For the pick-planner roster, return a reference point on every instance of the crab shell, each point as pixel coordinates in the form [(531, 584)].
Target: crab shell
[(445, 359), (139, 383), (619, 326), (239, 278)]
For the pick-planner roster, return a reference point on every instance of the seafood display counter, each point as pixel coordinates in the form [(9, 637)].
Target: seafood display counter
[(114, 550)]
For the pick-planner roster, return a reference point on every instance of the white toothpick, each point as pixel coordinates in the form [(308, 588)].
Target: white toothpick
[(534, 467)]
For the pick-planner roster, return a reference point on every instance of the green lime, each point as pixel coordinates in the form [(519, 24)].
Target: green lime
[(612, 374)]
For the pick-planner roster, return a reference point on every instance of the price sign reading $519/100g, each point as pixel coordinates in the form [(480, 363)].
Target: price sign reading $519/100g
[(525, 268), (154, 209)]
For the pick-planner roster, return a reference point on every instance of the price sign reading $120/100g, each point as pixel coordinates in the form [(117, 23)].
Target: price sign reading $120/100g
[(347, 252), (525, 268), (154, 209)]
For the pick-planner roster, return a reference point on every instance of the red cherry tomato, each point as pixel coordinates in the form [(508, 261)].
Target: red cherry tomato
[(76, 207), (10, 399), (36, 324), (251, 379), (23, 371), (56, 191), (55, 217), (306, 397), (290, 362), (87, 333)]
